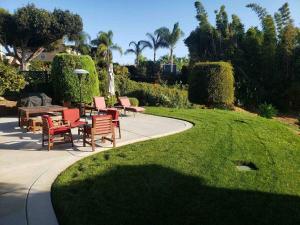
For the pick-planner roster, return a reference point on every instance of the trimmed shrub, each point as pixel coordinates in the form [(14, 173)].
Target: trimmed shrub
[(134, 101), (10, 79), (212, 83), (66, 84), (153, 94), (267, 110)]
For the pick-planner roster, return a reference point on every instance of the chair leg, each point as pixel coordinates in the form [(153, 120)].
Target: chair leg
[(84, 139), (71, 137), (93, 142), (114, 139), (119, 130), (49, 142)]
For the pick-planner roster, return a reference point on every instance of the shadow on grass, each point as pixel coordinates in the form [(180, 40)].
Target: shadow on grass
[(152, 195)]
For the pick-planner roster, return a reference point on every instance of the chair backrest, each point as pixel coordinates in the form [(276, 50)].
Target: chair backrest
[(102, 124), (99, 102), (124, 101), (47, 123), (71, 115), (114, 114)]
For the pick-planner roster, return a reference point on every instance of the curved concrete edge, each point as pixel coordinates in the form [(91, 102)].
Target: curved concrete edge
[(39, 209)]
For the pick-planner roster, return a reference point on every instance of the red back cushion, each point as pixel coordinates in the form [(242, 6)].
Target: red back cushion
[(124, 101), (47, 118), (99, 102), (71, 115), (114, 113)]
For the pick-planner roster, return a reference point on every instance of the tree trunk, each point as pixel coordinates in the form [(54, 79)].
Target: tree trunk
[(154, 56), (171, 59), (23, 65)]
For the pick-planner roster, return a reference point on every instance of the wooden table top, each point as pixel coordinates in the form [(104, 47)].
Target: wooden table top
[(36, 109)]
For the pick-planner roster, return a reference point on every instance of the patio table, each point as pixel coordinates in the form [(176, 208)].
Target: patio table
[(27, 111)]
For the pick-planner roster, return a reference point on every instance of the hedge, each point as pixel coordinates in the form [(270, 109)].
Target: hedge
[(66, 84), (153, 94), (212, 83)]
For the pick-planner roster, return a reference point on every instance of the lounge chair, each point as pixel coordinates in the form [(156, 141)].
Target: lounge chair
[(50, 131), (99, 105), (101, 126), (126, 106)]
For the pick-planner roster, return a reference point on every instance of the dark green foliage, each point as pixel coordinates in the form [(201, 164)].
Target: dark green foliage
[(212, 83), (10, 79), (66, 83), (134, 101), (267, 110), (31, 29), (153, 94), (266, 62)]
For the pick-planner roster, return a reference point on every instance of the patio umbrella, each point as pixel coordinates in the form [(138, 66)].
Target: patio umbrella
[(111, 80)]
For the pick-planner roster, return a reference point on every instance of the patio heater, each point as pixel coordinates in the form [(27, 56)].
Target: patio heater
[(80, 73)]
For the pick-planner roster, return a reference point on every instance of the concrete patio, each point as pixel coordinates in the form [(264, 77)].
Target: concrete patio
[(27, 170)]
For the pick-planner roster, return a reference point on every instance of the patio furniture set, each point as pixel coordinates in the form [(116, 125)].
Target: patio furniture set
[(58, 129)]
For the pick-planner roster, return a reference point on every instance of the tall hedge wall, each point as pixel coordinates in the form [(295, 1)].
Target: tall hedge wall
[(153, 94), (212, 83), (66, 83)]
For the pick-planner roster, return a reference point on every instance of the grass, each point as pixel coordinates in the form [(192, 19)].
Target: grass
[(190, 177)]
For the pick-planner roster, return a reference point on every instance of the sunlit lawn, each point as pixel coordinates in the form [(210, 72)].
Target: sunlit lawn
[(190, 177)]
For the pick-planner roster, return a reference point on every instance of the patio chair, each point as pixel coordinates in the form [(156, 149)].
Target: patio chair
[(126, 105), (50, 131), (99, 105), (72, 118), (115, 119), (101, 126)]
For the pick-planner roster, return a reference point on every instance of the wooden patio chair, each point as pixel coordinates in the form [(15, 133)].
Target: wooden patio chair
[(72, 118), (50, 132), (101, 126), (115, 119)]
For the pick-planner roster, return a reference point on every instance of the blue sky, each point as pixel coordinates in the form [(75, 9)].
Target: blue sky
[(130, 20)]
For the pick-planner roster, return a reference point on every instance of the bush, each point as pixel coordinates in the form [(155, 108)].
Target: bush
[(66, 84), (212, 83), (10, 79), (134, 101), (267, 111), (153, 94), (110, 101)]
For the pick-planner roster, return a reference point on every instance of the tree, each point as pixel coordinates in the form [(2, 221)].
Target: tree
[(171, 38), (82, 43), (30, 30), (137, 49), (105, 46), (156, 42)]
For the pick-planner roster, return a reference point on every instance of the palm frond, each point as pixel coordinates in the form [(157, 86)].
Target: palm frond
[(129, 51), (117, 48)]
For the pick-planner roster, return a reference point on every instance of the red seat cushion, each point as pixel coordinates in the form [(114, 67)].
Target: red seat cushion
[(59, 130), (77, 124), (135, 109)]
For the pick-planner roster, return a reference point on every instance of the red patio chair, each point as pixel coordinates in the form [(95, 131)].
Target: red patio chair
[(126, 105), (99, 105), (72, 118), (101, 126), (50, 131), (115, 119)]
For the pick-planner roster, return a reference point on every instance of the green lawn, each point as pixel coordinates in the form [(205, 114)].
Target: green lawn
[(190, 177)]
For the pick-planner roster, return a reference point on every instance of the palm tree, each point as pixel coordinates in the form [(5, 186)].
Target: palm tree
[(156, 42), (171, 38), (105, 45), (137, 49), (82, 43)]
